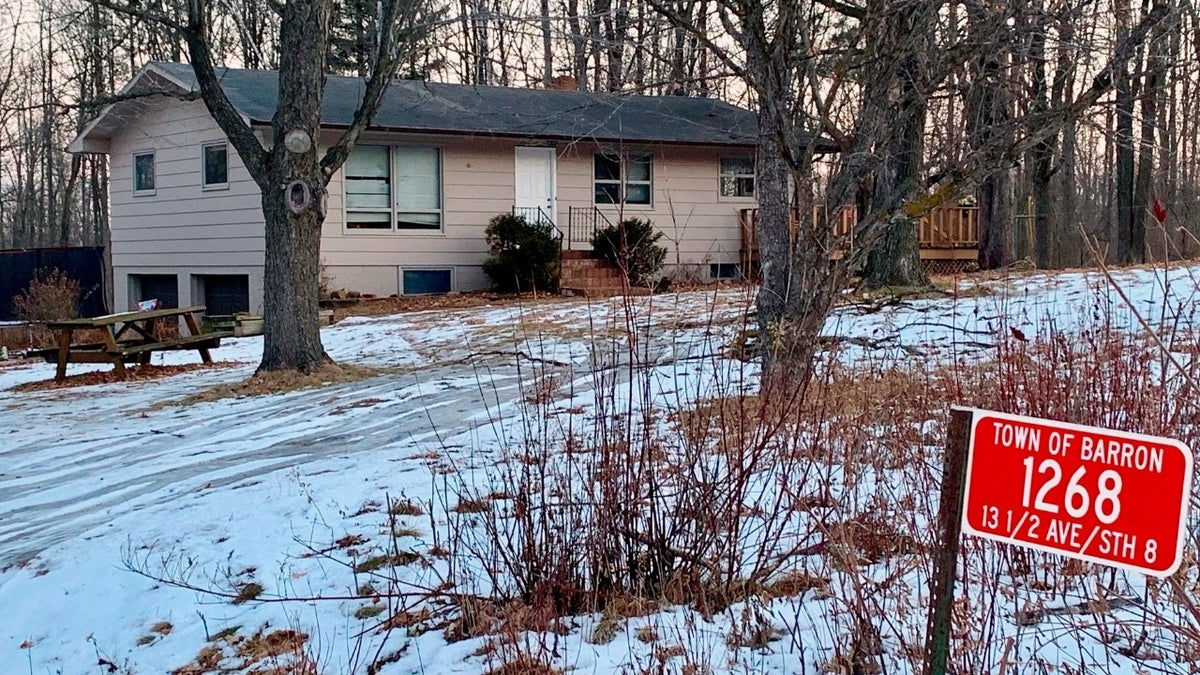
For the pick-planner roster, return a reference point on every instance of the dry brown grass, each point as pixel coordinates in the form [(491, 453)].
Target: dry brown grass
[(524, 664), (405, 507), (279, 652), (247, 592), (378, 562), (424, 303), (139, 373), (281, 381)]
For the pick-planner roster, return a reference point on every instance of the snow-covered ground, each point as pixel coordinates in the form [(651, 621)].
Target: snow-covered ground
[(97, 479)]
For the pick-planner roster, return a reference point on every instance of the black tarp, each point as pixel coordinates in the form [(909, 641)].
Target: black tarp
[(84, 264)]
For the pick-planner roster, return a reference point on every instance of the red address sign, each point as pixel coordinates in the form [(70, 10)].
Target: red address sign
[(1099, 495)]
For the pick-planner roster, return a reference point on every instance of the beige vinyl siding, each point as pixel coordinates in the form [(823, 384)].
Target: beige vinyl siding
[(478, 183), (699, 226), (186, 230), (182, 228)]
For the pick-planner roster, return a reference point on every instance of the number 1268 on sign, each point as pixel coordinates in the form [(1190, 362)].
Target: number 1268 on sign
[(1089, 493)]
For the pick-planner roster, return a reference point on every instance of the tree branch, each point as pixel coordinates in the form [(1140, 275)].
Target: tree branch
[(398, 32), (248, 147), (987, 160)]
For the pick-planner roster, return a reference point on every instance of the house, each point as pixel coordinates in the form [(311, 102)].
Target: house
[(407, 212)]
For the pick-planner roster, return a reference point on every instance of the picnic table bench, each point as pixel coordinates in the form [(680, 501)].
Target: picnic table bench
[(129, 337)]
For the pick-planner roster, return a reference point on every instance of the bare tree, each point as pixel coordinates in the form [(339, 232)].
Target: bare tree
[(290, 171), (777, 43)]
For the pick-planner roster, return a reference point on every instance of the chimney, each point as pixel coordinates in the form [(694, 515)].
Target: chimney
[(564, 83)]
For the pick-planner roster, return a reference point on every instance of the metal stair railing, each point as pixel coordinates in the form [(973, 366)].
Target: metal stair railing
[(583, 222)]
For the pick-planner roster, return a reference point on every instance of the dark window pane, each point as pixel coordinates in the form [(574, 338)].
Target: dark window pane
[(143, 172), (736, 165), (745, 187), (608, 168), (216, 165), (226, 294), (637, 194), (724, 271), (368, 220), (426, 281), (418, 221), (608, 193), (161, 287)]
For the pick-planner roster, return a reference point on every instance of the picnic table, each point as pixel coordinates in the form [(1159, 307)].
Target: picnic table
[(128, 337)]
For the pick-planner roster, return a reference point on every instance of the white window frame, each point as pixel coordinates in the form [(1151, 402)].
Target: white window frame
[(393, 210), (133, 175), (622, 181), (204, 184), (721, 176)]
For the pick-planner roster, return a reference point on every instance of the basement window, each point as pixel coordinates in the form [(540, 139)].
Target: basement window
[(427, 282), (724, 271), (161, 287)]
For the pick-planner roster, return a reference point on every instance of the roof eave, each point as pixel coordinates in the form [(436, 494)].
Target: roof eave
[(84, 142), (89, 146), (749, 143)]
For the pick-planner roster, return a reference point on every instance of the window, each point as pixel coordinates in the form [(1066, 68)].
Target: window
[(617, 174), (393, 188), (724, 271), (417, 282), (225, 293), (161, 287), (737, 177), (143, 173), (216, 165)]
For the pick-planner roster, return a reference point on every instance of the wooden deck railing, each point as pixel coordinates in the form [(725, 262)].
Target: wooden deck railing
[(945, 232)]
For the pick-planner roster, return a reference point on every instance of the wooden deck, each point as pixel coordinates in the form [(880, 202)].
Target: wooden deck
[(948, 236)]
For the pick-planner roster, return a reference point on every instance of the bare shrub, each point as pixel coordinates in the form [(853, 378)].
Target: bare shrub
[(51, 296)]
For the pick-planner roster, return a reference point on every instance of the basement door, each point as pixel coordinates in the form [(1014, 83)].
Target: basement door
[(536, 184)]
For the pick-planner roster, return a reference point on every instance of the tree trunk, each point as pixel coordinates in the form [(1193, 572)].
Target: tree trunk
[(1122, 237), (987, 110), (1155, 62), (995, 214), (294, 198), (896, 260), (1041, 158), (291, 332), (547, 45), (773, 231)]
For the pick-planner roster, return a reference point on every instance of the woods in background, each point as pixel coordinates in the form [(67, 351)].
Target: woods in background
[(907, 91)]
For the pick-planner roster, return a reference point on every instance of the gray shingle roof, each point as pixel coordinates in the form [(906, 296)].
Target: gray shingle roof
[(415, 106)]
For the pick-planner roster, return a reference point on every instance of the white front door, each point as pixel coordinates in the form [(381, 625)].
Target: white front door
[(535, 184)]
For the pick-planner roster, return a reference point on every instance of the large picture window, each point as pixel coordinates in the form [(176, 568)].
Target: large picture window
[(393, 188), (737, 177), (623, 179)]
